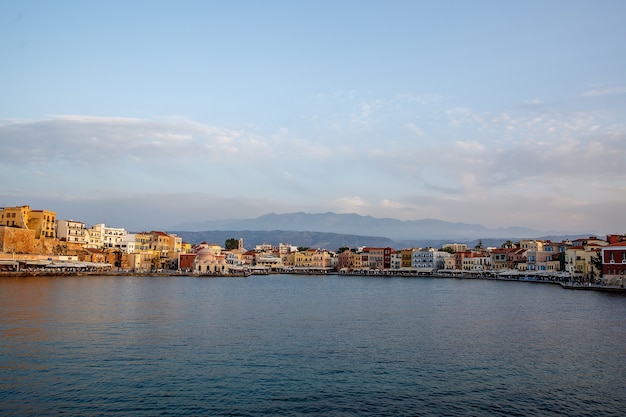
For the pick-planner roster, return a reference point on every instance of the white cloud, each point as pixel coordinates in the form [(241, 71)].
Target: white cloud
[(350, 204), (95, 140), (416, 165), (597, 92), (416, 130)]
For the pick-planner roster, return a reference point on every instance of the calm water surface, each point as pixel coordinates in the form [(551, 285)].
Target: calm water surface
[(296, 345)]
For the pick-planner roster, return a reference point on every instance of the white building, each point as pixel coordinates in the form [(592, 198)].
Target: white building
[(101, 236), (396, 260), (428, 259), (71, 231), (128, 244), (477, 263)]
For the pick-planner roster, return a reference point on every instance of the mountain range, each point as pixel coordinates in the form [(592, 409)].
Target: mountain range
[(332, 230)]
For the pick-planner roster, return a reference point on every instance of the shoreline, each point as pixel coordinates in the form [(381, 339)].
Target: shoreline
[(568, 285)]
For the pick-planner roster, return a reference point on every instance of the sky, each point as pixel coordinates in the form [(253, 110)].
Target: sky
[(149, 114)]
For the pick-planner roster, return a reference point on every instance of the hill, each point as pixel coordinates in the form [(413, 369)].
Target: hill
[(354, 224)]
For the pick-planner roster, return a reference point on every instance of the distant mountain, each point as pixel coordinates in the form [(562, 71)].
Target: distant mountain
[(251, 238), (331, 241), (354, 224)]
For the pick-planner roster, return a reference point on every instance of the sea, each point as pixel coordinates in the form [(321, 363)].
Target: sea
[(293, 345)]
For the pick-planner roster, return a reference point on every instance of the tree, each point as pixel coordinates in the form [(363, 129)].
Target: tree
[(118, 258), (596, 261), (447, 249), (302, 248), (231, 244), (342, 249)]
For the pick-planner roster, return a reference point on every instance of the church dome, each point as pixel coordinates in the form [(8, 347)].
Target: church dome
[(205, 255)]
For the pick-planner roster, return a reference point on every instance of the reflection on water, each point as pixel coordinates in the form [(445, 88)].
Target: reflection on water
[(294, 345)]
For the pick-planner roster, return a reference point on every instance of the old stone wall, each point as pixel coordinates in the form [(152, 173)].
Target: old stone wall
[(16, 240), (23, 241)]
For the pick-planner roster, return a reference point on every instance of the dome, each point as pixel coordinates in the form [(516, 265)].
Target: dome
[(205, 255)]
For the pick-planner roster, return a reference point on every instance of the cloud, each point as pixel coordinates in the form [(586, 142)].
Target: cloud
[(407, 163), (416, 130), (350, 204), (598, 92), (96, 140)]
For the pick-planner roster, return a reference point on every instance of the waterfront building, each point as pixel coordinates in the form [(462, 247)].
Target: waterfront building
[(499, 258), (95, 255), (185, 261), (142, 242), (43, 222), (270, 260), (160, 242), (249, 257), (207, 261), (101, 236), (233, 257), (459, 257), (128, 244), (429, 259), (142, 261), (542, 261), (579, 261), (71, 231), (515, 257), (396, 260), (449, 263), (476, 261), (348, 260), (304, 259), (321, 259), (185, 247), (289, 258), (407, 257), (614, 263), (376, 258), (175, 243)]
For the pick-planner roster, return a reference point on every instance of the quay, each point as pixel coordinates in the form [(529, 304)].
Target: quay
[(560, 280)]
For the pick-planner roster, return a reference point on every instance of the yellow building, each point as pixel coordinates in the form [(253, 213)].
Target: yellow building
[(41, 221), (321, 259), (407, 258), (304, 259), (531, 245), (142, 242)]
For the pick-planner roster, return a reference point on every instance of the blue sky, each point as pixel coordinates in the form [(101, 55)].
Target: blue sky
[(148, 114)]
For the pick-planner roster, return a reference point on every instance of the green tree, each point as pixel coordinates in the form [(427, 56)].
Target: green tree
[(596, 261), (343, 249), (231, 244), (302, 248), (448, 249)]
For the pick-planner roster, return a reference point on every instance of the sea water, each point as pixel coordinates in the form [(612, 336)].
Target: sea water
[(308, 345)]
